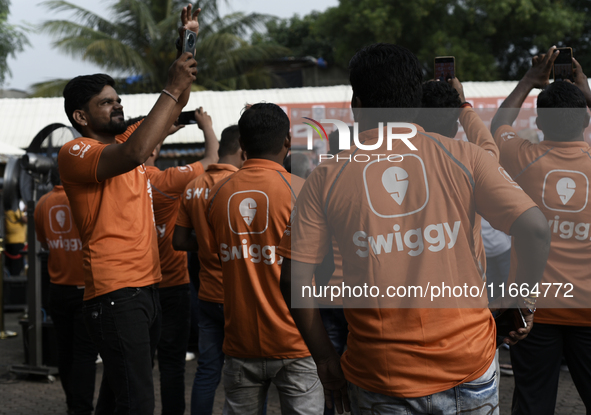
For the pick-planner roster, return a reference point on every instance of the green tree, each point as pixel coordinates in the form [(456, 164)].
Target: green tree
[(298, 34), (137, 40), (12, 40), (491, 39)]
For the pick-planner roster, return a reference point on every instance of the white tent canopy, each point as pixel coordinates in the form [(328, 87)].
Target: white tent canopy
[(21, 119)]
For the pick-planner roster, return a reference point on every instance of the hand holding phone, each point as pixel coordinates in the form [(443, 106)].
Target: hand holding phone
[(445, 68), (563, 65), (508, 320)]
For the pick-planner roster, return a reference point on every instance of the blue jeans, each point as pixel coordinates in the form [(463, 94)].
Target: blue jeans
[(125, 327), (478, 397), (211, 357), (246, 382), (76, 351), (172, 347)]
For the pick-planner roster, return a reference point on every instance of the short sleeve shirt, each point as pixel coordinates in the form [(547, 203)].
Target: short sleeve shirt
[(115, 219), (192, 214), (55, 227), (248, 213), (404, 223), (167, 187), (555, 175)]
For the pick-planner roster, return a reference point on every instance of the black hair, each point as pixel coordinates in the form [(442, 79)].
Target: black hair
[(562, 111), (80, 90), (263, 129), (386, 76), (439, 95), (333, 141), (230, 141)]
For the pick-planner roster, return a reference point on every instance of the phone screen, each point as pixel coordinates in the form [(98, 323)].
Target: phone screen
[(445, 68), (563, 65), (186, 118)]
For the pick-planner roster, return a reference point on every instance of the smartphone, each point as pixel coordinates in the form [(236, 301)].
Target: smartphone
[(445, 67), (509, 320), (189, 42), (186, 118), (563, 65)]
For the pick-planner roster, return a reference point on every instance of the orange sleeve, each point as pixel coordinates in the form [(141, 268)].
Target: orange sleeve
[(498, 198), (477, 132), (174, 180), (183, 219), (78, 160), (514, 151), (309, 238), (122, 138)]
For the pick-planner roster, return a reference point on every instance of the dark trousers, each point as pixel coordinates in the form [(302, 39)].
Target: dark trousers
[(14, 260), (337, 329), (172, 347), (536, 365), (76, 352), (125, 327), (211, 357)]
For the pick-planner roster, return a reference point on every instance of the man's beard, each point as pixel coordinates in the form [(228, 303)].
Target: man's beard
[(116, 127)]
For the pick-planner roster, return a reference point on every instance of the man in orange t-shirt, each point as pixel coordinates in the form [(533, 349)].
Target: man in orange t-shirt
[(175, 298), (192, 218), (401, 223), (110, 197), (247, 214), (555, 174), (77, 354)]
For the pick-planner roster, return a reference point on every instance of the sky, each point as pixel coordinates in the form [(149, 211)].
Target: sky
[(40, 62)]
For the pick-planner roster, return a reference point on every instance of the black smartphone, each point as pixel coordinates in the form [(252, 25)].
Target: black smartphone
[(445, 67), (508, 320), (186, 118), (563, 65), (189, 42)]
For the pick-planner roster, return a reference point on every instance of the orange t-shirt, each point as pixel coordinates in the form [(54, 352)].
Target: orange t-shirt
[(409, 222), (479, 135), (55, 228), (192, 214), (115, 219), (167, 188), (556, 176), (248, 213)]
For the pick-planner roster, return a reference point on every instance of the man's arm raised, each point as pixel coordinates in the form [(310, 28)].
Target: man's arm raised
[(537, 77), (211, 142)]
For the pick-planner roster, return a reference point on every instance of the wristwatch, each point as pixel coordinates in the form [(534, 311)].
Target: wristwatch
[(529, 303)]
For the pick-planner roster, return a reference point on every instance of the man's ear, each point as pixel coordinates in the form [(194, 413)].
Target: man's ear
[(287, 142), (243, 155), (80, 117), (356, 102)]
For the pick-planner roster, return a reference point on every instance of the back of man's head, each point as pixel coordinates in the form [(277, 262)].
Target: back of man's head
[(562, 111), (386, 76), (230, 141), (440, 108), (263, 128), (80, 90)]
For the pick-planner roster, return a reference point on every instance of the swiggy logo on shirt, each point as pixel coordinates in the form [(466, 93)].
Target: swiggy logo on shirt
[(565, 191), (248, 212), (79, 149), (393, 192), (60, 219)]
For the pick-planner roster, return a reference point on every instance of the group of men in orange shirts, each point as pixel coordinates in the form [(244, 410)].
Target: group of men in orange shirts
[(261, 234)]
